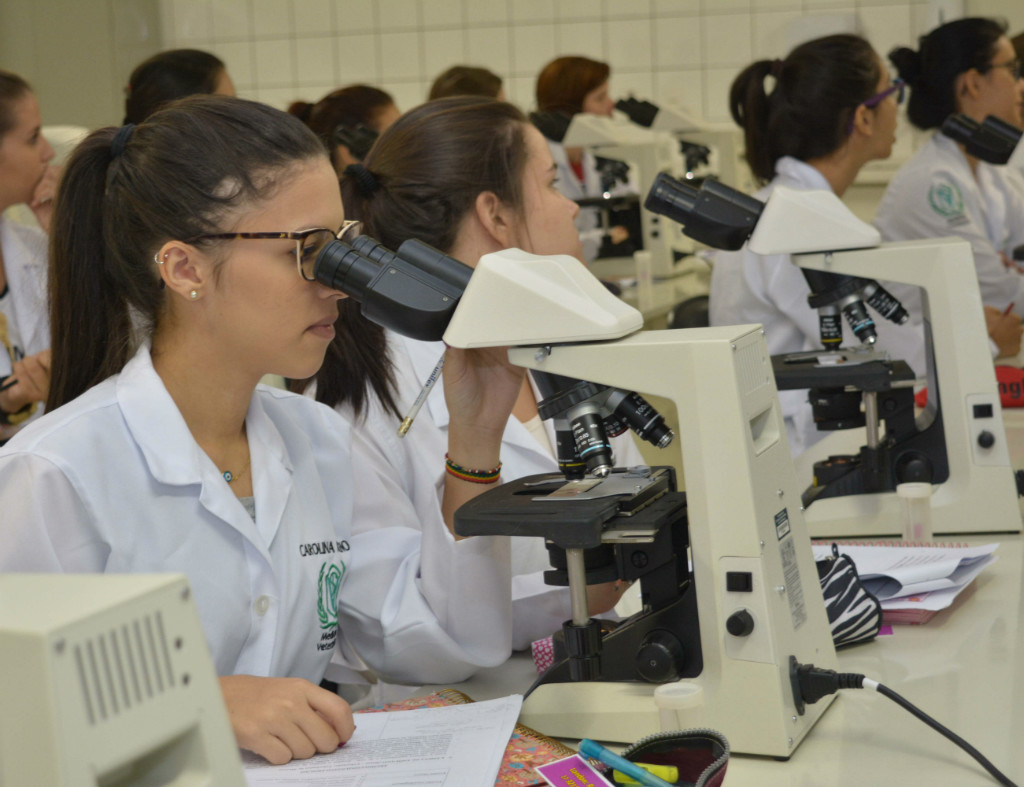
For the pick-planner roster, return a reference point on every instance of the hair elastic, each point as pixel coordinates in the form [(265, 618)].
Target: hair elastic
[(120, 140), (365, 180)]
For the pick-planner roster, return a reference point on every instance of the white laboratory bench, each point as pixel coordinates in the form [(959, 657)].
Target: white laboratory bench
[(965, 667)]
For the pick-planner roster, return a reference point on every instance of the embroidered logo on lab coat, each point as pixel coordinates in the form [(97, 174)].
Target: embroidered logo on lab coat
[(327, 603), (946, 200)]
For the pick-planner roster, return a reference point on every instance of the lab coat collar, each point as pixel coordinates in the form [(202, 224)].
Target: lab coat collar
[(175, 458), (800, 173), (25, 270)]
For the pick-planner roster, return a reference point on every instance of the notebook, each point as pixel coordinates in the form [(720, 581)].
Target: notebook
[(526, 749)]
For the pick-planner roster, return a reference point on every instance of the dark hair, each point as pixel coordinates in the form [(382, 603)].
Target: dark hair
[(943, 54), (167, 76), (187, 171), (564, 82), (430, 166), (817, 88), (465, 81), (347, 106), (12, 88)]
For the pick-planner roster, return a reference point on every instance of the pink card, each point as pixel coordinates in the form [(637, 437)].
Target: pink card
[(572, 772)]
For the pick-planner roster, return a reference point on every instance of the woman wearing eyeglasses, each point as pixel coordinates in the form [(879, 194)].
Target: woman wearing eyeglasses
[(966, 66), (811, 121), (179, 280)]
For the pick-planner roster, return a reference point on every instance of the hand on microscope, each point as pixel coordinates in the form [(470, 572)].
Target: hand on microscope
[(480, 388), (1004, 329)]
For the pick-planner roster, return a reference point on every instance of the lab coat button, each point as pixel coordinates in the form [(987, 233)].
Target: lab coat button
[(261, 606)]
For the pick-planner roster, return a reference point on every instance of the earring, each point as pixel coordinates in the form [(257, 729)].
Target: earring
[(193, 294), (157, 260)]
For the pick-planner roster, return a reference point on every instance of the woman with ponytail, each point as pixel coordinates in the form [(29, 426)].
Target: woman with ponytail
[(811, 121), (965, 66), (468, 175), (180, 276)]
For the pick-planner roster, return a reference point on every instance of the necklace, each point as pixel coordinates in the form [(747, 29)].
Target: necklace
[(229, 476)]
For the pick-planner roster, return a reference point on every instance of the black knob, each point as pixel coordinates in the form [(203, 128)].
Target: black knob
[(986, 439), (659, 659), (740, 624)]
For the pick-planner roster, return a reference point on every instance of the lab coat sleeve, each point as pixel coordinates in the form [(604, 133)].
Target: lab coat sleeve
[(46, 526), (421, 607)]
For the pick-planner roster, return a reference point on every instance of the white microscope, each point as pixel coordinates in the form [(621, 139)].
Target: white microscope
[(957, 443), (714, 647)]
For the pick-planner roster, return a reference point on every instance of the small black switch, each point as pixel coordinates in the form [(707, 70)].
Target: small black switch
[(739, 581), (982, 411)]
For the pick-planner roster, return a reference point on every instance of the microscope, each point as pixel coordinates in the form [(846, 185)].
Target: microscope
[(725, 635), (956, 443)]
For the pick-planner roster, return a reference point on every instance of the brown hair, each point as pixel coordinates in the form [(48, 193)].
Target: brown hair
[(168, 76), (806, 113), (347, 106), (465, 81), (184, 172), (12, 88), (564, 82), (429, 168)]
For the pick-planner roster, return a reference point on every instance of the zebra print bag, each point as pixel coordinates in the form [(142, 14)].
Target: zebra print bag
[(854, 614)]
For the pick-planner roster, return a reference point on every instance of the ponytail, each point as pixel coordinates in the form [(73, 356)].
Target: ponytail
[(90, 319), (807, 108)]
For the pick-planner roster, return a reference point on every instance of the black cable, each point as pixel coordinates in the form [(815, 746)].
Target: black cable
[(977, 755), (813, 683)]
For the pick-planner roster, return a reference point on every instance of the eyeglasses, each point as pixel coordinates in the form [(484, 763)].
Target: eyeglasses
[(898, 86), (1014, 66), (308, 243)]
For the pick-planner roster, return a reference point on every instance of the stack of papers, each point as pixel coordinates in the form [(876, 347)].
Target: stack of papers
[(454, 746), (914, 582)]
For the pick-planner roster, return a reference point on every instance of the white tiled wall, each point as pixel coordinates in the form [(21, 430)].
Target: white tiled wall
[(684, 51)]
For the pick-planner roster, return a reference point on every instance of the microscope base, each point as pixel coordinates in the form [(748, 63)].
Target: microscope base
[(754, 714)]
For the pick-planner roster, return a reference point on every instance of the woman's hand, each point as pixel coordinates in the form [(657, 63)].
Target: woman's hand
[(282, 719), (42, 197), (1004, 329), (33, 375), (480, 388), (604, 596)]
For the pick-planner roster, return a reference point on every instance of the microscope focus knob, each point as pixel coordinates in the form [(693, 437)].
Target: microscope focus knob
[(660, 657), (986, 439), (740, 623)]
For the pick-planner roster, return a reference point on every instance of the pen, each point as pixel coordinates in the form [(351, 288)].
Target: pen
[(1009, 308), (8, 383), (589, 748), (407, 421)]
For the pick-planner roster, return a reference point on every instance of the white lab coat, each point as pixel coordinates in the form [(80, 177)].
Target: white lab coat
[(771, 290), (935, 195), (588, 221), (25, 260), (416, 464), (117, 484)]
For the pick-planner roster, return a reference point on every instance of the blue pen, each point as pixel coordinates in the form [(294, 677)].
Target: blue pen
[(589, 748)]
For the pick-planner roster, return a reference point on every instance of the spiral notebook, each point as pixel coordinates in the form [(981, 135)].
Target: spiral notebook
[(526, 749)]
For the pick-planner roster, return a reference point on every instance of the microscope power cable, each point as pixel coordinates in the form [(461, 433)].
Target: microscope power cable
[(815, 683)]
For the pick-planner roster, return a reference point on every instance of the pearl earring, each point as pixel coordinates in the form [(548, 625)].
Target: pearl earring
[(193, 294)]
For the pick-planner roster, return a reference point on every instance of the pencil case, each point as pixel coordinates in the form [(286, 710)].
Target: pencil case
[(700, 755), (854, 613)]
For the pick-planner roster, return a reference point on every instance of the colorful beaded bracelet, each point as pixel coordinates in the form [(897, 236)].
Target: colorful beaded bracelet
[(473, 476)]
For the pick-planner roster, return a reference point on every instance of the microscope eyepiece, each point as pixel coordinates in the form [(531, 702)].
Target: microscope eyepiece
[(715, 214), (993, 140)]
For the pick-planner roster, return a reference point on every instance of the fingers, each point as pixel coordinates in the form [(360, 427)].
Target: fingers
[(336, 713)]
